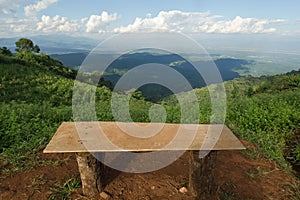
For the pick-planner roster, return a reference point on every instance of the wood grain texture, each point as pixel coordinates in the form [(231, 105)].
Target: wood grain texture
[(109, 137)]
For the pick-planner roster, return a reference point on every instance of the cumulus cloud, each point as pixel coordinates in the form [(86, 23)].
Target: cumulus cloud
[(56, 24), (32, 9), (93, 23), (18, 27), (176, 20), (13, 26), (239, 25), (167, 21), (98, 23)]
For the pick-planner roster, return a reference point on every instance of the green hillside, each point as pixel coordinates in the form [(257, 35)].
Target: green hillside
[(264, 111), (36, 92), (35, 97)]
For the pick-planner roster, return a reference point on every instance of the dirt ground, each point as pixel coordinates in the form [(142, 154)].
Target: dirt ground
[(236, 177)]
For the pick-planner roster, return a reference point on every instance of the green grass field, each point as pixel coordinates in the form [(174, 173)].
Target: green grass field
[(36, 97)]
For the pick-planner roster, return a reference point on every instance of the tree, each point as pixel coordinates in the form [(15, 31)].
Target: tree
[(26, 45), (5, 51)]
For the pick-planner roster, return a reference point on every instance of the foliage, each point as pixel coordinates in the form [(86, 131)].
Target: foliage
[(36, 96), (293, 191), (5, 51), (34, 99), (265, 111), (267, 115), (63, 192), (26, 45), (34, 84), (25, 129), (45, 62)]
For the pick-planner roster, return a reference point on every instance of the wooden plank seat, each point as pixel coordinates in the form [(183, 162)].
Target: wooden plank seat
[(86, 139)]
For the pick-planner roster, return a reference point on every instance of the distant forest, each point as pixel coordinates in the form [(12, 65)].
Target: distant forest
[(228, 68)]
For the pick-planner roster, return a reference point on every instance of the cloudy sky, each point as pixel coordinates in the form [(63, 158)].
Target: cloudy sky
[(94, 17)]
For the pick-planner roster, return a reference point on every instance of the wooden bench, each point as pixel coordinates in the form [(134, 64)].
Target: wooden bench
[(89, 138)]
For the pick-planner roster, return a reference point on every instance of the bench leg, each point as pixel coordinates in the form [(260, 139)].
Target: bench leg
[(201, 182), (90, 170)]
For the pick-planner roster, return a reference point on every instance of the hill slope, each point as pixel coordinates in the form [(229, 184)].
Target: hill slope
[(264, 110), (36, 97), (34, 82)]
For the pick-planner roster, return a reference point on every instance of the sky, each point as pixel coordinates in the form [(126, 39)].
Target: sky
[(94, 17)]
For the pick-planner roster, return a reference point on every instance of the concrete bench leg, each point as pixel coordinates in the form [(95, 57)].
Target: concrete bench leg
[(201, 182), (90, 170)]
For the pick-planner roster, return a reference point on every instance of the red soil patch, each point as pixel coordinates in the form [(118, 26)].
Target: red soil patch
[(236, 177)]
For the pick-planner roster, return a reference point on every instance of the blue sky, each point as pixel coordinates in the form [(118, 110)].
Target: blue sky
[(96, 17), (130, 9)]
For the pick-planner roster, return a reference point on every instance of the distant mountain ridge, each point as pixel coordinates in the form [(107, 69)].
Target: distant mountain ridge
[(227, 67), (55, 44), (269, 61)]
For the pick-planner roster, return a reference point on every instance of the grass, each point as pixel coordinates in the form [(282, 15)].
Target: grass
[(36, 184), (267, 120), (251, 152), (36, 98), (25, 129), (226, 192), (63, 191), (258, 172), (293, 191)]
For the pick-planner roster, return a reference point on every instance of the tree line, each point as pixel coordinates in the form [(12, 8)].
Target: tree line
[(23, 45)]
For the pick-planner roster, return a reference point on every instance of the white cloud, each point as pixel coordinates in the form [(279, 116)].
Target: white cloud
[(56, 24), (8, 11), (166, 21), (98, 23), (240, 25), (9, 7), (149, 15), (18, 28), (176, 20), (32, 9), (14, 26), (94, 23), (278, 21), (83, 20)]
